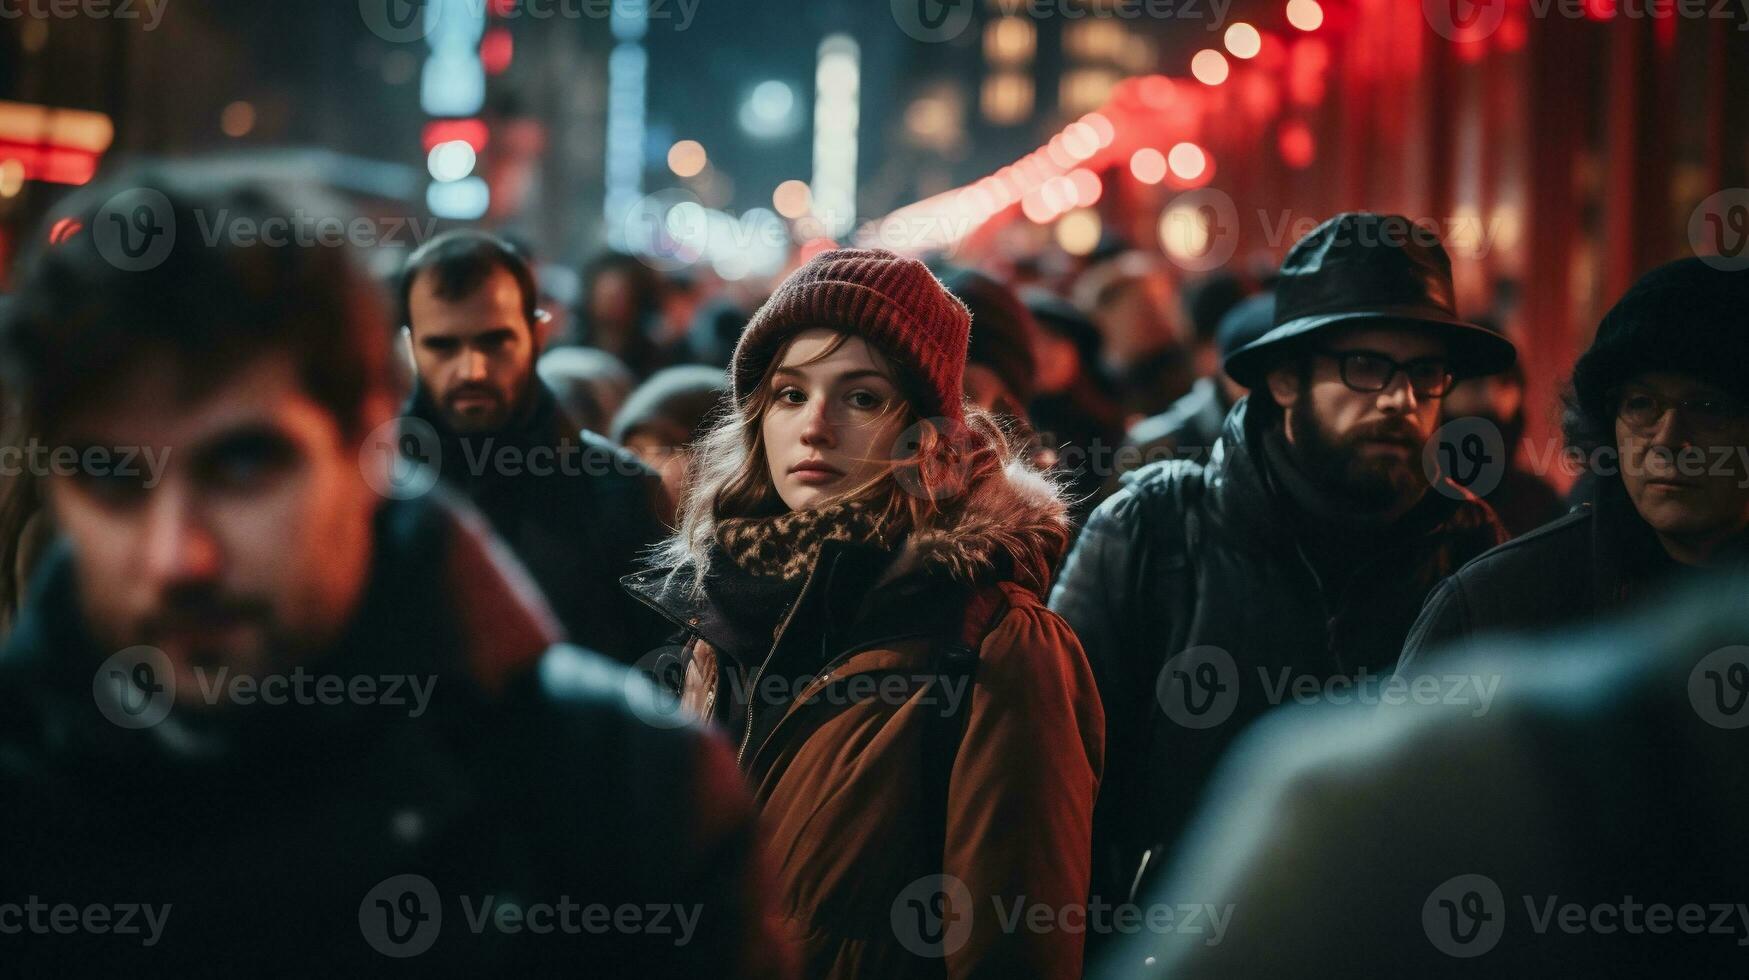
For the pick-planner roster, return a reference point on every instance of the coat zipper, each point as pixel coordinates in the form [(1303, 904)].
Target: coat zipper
[(776, 641)]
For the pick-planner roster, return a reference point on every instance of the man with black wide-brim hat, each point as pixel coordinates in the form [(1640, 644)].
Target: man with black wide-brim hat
[(1290, 565)]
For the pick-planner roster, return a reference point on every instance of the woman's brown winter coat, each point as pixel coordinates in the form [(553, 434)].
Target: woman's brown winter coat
[(877, 768)]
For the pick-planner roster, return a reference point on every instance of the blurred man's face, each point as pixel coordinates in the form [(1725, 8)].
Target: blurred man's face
[(664, 449), (1685, 466), (251, 547), (475, 355), (1363, 446)]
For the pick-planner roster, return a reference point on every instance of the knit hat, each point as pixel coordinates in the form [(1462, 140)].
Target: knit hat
[(1686, 317), (893, 302)]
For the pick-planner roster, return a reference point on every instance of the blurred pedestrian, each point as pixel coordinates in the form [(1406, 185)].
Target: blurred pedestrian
[(258, 715), (1130, 298), (591, 385), (861, 568), (620, 311), (1304, 547), (666, 416), (577, 510), (1522, 499), (999, 364), (1659, 412), (1189, 428), (1074, 404)]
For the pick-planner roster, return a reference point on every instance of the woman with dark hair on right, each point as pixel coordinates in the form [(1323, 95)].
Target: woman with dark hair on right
[(860, 568), (1659, 407)]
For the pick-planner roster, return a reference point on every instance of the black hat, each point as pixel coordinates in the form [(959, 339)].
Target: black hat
[(1686, 317), (1358, 268), (1002, 328)]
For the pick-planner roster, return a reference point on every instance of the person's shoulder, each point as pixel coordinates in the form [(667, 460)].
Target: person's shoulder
[(1554, 545)]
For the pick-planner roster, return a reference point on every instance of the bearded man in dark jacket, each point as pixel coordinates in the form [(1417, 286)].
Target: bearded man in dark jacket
[(1659, 413), (255, 718), (577, 510), (1289, 566)]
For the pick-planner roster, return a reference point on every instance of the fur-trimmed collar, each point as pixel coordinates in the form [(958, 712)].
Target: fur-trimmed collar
[(1013, 526)]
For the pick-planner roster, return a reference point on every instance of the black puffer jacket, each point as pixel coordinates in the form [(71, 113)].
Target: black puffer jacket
[(1211, 562), (577, 510), (519, 782)]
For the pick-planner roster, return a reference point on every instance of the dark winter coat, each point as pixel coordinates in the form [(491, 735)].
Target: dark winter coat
[(1595, 561), (578, 519), (526, 780), (865, 796), (1194, 597)]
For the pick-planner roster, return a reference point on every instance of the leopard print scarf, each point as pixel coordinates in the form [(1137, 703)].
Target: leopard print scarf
[(785, 547)]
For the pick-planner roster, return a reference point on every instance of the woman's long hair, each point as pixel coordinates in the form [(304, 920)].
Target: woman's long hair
[(919, 490)]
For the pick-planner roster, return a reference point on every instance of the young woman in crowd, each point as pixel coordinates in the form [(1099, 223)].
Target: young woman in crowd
[(860, 569)]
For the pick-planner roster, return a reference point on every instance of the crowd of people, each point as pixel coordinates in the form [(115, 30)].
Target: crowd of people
[(903, 618)]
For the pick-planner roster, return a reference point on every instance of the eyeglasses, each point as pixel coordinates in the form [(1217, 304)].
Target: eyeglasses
[(1643, 410), (1369, 371)]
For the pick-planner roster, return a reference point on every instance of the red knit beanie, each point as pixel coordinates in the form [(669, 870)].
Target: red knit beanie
[(893, 302)]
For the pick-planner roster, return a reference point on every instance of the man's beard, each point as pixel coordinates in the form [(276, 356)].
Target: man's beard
[(504, 410), (1339, 468)]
